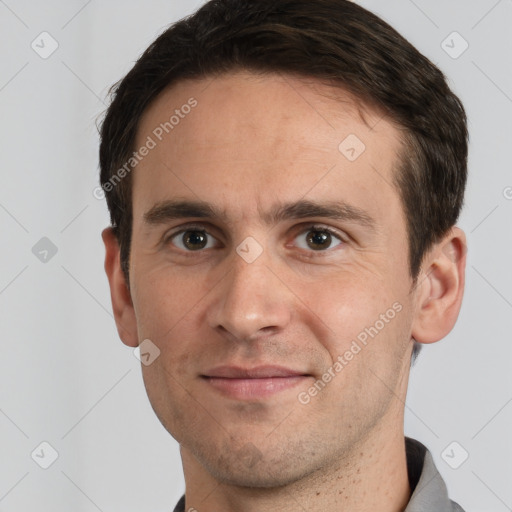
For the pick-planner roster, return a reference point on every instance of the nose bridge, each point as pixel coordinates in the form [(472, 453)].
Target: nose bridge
[(250, 299)]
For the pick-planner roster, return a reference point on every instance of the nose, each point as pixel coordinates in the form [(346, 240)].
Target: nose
[(251, 301)]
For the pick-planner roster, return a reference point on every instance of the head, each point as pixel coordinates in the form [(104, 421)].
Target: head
[(295, 203)]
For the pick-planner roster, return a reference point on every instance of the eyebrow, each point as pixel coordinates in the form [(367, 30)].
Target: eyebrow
[(169, 210)]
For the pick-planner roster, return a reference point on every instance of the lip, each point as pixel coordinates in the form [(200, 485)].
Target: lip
[(253, 383), (256, 372)]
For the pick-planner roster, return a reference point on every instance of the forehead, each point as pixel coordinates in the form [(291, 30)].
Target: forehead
[(264, 137)]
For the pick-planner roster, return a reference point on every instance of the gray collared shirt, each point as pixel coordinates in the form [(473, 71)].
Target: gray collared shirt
[(429, 493)]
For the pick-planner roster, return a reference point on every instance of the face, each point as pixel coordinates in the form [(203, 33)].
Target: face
[(269, 265)]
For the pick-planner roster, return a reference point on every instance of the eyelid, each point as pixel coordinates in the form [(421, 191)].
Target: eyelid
[(304, 228)]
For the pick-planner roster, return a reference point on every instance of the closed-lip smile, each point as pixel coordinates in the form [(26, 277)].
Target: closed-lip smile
[(253, 383)]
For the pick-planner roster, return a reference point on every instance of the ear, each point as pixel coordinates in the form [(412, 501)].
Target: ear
[(440, 288), (122, 305)]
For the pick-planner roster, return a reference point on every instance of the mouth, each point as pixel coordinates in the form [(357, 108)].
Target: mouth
[(253, 383)]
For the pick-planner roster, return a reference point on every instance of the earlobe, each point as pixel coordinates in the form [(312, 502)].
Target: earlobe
[(440, 288), (122, 305)]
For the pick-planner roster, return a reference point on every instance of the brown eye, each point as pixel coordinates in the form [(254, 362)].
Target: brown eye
[(317, 239), (193, 240)]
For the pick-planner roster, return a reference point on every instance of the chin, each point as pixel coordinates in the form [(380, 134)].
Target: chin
[(262, 476), (244, 466)]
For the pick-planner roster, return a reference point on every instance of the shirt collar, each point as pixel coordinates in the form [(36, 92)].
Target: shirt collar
[(429, 491)]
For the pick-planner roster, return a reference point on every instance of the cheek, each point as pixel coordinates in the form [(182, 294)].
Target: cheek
[(164, 302), (167, 308), (357, 311)]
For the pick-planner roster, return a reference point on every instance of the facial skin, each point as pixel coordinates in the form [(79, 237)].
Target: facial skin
[(252, 148)]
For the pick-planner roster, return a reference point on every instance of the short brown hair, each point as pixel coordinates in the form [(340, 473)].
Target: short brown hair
[(336, 41)]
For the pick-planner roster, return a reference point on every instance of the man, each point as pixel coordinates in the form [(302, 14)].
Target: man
[(284, 178)]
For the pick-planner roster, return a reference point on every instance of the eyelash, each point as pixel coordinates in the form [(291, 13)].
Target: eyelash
[(305, 229)]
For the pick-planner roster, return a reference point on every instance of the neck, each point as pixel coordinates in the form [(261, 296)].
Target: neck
[(373, 477)]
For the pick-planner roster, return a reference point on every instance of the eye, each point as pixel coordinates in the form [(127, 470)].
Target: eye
[(193, 240), (318, 238)]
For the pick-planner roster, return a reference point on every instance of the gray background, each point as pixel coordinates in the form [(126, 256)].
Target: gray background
[(66, 379)]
